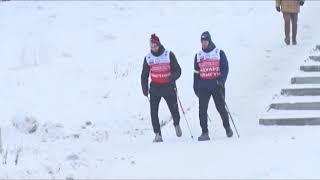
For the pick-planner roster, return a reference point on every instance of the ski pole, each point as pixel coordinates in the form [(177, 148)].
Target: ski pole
[(225, 103), (232, 120), (184, 114)]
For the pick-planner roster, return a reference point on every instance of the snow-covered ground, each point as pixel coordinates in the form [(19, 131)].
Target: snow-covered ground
[(74, 68)]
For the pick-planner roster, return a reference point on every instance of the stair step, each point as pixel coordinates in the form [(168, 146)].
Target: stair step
[(310, 68), (306, 80), (314, 58), (296, 106), (301, 92), (290, 121), (296, 99), (290, 118)]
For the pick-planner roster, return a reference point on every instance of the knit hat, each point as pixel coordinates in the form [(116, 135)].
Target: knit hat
[(206, 36), (154, 40)]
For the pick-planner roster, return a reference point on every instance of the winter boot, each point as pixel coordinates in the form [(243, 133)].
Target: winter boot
[(294, 41), (157, 138), (229, 132), (287, 41), (204, 137), (178, 130)]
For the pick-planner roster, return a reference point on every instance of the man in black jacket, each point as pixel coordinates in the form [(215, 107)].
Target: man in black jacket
[(164, 70), (210, 75)]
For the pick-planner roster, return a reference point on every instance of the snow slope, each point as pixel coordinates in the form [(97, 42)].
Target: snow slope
[(70, 63)]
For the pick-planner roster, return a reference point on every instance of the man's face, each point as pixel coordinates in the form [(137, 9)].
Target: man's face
[(154, 47), (204, 44)]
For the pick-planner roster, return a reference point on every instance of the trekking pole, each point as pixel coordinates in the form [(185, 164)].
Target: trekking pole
[(184, 114), (232, 119), (225, 103)]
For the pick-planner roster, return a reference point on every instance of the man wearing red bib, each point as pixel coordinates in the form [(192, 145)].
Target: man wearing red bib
[(210, 75), (163, 68)]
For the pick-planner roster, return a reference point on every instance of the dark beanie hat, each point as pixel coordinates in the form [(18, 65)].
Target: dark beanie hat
[(206, 36)]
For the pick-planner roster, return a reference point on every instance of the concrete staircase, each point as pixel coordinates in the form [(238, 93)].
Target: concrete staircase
[(298, 104)]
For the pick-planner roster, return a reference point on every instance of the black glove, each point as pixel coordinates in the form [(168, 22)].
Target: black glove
[(278, 8), (145, 92), (301, 3), (196, 93)]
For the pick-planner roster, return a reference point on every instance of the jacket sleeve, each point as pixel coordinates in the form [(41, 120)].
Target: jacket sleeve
[(224, 67), (278, 3), (145, 77), (196, 76), (175, 68)]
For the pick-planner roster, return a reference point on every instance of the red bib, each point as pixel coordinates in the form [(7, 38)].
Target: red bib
[(160, 70), (209, 64), (209, 69)]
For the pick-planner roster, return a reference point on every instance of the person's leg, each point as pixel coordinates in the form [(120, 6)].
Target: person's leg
[(286, 17), (219, 100), (154, 107), (171, 99), (204, 98), (294, 21)]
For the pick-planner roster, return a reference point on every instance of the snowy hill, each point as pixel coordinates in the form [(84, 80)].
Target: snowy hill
[(74, 67)]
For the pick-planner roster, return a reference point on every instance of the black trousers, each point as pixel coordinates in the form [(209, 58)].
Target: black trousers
[(170, 97), (218, 95)]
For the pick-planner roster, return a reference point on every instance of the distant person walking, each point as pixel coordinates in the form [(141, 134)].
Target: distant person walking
[(290, 10)]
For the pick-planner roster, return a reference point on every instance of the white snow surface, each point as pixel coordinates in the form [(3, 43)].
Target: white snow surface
[(74, 68)]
